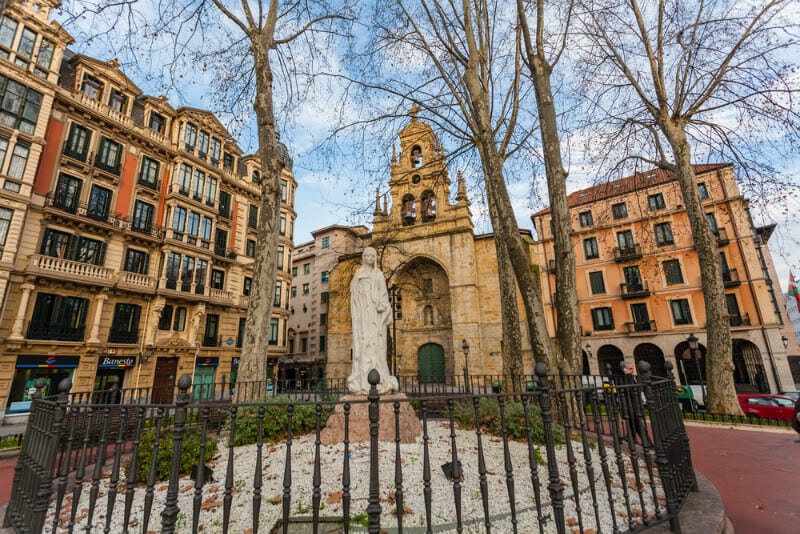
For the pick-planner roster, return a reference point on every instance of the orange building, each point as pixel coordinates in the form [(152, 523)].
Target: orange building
[(129, 247), (638, 279)]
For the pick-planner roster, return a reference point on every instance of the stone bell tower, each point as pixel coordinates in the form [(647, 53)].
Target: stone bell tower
[(420, 188)]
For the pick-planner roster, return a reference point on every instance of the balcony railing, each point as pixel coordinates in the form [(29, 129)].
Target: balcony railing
[(722, 236), (70, 270), (641, 326), (633, 252), (136, 281), (631, 291), (103, 109), (81, 209), (220, 295), (740, 320), (731, 278), (48, 330)]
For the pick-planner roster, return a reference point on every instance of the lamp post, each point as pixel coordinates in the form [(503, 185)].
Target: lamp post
[(588, 348), (694, 348), (785, 341), (396, 297), (144, 356), (465, 348)]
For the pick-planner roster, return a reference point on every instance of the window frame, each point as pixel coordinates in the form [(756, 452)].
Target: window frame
[(663, 234), (585, 219), (655, 202), (591, 249), (684, 315), (603, 318)]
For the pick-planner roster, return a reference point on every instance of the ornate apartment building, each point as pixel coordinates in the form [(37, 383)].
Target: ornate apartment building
[(308, 323), (127, 226), (638, 280)]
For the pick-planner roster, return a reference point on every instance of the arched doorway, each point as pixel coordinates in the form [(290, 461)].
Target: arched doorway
[(647, 352), (691, 367), (609, 355), (430, 361), (748, 368)]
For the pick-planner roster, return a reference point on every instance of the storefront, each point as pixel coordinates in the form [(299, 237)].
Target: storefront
[(52, 369), (110, 367), (205, 371)]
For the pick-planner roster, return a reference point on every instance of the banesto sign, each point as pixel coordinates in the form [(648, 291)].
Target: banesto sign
[(117, 361)]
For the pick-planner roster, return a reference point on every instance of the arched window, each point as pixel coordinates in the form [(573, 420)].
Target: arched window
[(428, 206), (409, 210), (416, 156)]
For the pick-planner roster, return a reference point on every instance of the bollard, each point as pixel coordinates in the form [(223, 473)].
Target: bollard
[(554, 484), (170, 514)]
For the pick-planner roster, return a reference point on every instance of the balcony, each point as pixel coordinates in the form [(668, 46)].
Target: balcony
[(78, 209), (633, 291), (141, 229), (740, 320), (731, 278), (629, 253), (220, 296), (48, 330), (641, 326), (68, 270), (135, 281), (722, 236), (105, 110)]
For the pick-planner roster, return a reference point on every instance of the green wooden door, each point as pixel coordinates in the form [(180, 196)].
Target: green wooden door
[(431, 363)]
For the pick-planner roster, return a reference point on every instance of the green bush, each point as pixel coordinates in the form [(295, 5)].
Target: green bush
[(10, 442), (190, 452), (304, 420), (490, 421)]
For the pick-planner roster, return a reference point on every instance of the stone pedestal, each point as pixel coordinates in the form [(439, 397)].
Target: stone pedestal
[(410, 426)]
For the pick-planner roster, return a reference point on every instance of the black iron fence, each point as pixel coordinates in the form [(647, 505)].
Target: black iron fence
[(543, 454)]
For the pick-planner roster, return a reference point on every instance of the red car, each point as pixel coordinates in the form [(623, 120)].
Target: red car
[(764, 406)]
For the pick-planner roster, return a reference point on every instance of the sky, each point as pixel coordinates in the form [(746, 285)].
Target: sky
[(332, 192)]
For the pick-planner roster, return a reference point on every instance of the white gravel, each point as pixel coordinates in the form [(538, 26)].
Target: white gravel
[(443, 513)]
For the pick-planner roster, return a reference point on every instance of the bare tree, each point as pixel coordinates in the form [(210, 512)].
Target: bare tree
[(677, 76)]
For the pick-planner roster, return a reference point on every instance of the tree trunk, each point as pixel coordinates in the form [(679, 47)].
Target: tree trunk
[(719, 359), (511, 343)]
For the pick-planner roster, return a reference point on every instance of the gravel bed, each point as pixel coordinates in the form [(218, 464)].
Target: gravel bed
[(611, 507)]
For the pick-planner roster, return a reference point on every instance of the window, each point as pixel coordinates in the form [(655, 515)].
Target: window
[(625, 240), (165, 320), (326, 242), (656, 202), (585, 218), (273, 331), (178, 222), (202, 144), (306, 268), (8, 29), (58, 317), (672, 272), (702, 190), (323, 297), (282, 227), (220, 242), (323, 319), (256, 177), (680, 311), (108, 155), (212, 330), (247, 286), (252, 217), (325, 276), (26, 43), (250, 248), (633, 278), (227, 161), (590, 249), (199, 185), (294, 270), (205, 232), (19, 105), (78, 142), (71, 247), (172, 269), (184, 179), (596, 282), (118, 101), (641, 318), (305, 289), (284, 189), (3, 150), (322, 345), (427, 285), (136, 261), (712, 222), (187, 273), (663, 233), (19, 158), (56, 244), (189, 136), (294, 291), (192, 227), (216, 147), (99, 203), (5, 222), (217, 279), (148, 174), (179, 324), (44, 58), (276, 297), (619, 211), (280, 257), (142, 216), (200, 277), (733, 309), (303, 344), (602, 319), (225, 204), (211, 191), (92, 87), (157, 122), (125, 326)]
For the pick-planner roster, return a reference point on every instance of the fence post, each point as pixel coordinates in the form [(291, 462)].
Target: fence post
[(554, 484), (170, 514), (374, 506)]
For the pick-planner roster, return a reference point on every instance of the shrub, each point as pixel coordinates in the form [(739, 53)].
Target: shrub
[(304, 420), (490, 421), (190, 452)]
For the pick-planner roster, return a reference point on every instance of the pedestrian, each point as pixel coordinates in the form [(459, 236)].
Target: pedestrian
[(631, 404), (796, 418)]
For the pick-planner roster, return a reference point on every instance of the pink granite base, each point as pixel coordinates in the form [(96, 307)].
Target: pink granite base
[(410, 426)]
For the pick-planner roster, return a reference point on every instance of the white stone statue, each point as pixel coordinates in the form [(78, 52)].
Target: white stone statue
[(371, 313)]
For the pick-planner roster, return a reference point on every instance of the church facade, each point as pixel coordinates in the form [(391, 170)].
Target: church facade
[(442, 278)]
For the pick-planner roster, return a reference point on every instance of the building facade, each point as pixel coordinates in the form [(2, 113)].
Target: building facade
[(139, 220), (442, 278), (308, 324), (638, 279)]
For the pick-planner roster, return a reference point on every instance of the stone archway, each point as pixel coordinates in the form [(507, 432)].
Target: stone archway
[(749, 375), (691, 367), (653, 355), (611, 355)]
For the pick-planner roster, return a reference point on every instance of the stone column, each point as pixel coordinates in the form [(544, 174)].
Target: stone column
[(100, 299), (19, 320)]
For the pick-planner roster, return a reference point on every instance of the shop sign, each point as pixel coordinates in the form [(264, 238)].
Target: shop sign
[(45, 362), (116, 362), (210, 361)]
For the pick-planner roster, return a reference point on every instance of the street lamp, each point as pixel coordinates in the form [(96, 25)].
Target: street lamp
[(144, 356), (396, 297), (785, 342), (465, 348), (694, 349)]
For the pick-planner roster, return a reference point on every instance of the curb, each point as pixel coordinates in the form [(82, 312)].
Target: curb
[(703, 512), (11, 452)]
